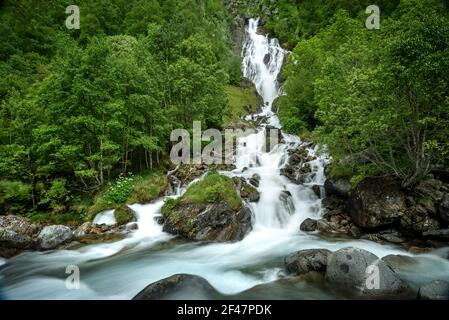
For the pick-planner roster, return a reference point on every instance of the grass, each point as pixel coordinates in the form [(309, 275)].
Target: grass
[(213, 188), (242, 101), (137, 189)]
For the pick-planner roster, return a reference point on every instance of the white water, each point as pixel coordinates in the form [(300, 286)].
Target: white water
[(120, 270), (105, 217)]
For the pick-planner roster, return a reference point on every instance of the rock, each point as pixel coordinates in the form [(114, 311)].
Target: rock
[(317, 190), (376, 202), (356, 269), (419, 250), (16, 235), (52, 236), (12, 243), (443, 210), (82, 230), (430, 188), (179, 287), (400, 262), (337, 186), (436, 290), (246, 190), (20, 225), (208, 222), (287, 201), (308, 225), (304, 261), (255, 180), (417, 222), (442, 234)]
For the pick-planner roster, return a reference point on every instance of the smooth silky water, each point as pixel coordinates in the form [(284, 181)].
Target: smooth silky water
[(120, 270)]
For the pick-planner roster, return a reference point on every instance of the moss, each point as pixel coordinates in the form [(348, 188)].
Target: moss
[(168, 206), (241, 102), (139, 189), (123, 215), (213, 188)]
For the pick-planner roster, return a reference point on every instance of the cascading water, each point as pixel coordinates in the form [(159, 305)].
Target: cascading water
[(120, 270)]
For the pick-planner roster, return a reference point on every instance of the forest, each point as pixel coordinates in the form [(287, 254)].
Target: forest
[(83, 109), (80, 108)]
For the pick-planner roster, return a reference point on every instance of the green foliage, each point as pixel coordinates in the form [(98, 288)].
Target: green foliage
[(377, 99), (168, 206), (242, 101), (213, 188), (79, 108)]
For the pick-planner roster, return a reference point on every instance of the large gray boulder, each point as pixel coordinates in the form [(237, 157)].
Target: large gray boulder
[(209, 221), (16, 235), (52, 236), (376, 202), (179, 287), (436, 290), (308, 225), (364, 272), (304, 261), (337, 186)]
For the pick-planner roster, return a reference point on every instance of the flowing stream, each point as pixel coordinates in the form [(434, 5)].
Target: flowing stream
[(120, 270)]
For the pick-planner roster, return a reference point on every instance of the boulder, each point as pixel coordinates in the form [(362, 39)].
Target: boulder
[(337, 186), (443, 209), (16, 235), (436, 290), (416, 222), (362, 271), (430, 188), (20, 225), (245, 190), (208, 221), (304, 261), (12, 243), (179, 287), (441, 234), (400, 262), (376, 202), (308, 225), (52, 236), (82, 230), (317, 190), (255, 180)]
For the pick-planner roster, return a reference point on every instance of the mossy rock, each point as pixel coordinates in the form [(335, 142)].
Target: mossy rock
[(123, 215), (210, 210)]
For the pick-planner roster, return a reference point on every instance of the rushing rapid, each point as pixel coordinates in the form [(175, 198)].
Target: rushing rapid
[(120, 270)]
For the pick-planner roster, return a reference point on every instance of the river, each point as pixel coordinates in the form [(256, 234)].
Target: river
[(120, 270)]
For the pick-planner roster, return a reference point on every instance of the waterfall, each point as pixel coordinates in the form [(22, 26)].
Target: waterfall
[(262, 63), (119, 270)]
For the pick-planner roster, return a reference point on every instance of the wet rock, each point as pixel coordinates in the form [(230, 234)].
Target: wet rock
[(376, 202), (308, 225), (416, 222), (337, 186), (82, 230), (436, 290), (356, 269), (20, 225), (304, 261), (52, 236), (442, 234), (287, 201), (400, 262), (444, 208), (179, 287), (246, 190), (209, 222), (430, 188), (317, 190), (255, 180), (12, 243)]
